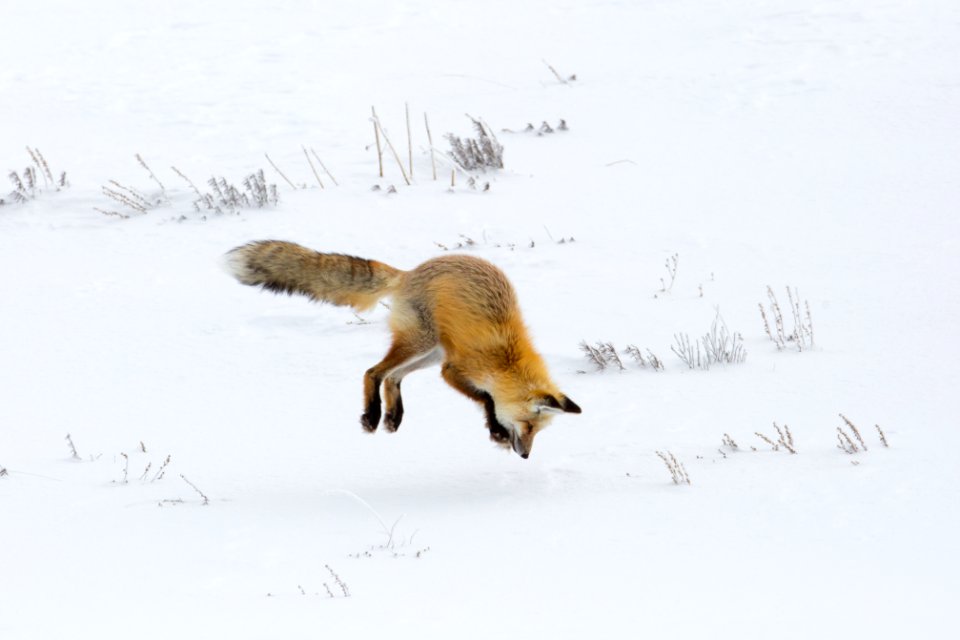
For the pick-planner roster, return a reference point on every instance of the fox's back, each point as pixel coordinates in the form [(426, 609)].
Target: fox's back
[(463, 299)]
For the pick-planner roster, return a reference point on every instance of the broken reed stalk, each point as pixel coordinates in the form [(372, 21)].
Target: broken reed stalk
[(433, 160), (324, 167), (376, 133), (292, 186), (312, 168), (393, 150), (406, 107)]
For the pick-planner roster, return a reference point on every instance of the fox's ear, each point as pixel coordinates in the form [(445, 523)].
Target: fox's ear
[(568, 405), (549, 402)]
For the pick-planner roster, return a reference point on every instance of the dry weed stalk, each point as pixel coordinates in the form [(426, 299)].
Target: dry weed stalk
[(433, 159), (846, 444), (340, 583), (190, 182), (774, 445), (785, 438), (161, 471), (376, 134), (3, 471), (406, 107), (312, 168), (73, 448), (677, 471), (324, 167), (143, 164), (206, 500), (560, 78), (282, 175), (396, 156), (883, 437), (729, 442)]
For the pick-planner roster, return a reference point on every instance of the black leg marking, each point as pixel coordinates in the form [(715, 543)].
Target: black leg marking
[(498, 432), (371, 413)]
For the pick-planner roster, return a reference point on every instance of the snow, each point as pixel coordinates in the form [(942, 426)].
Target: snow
[(780, 143)]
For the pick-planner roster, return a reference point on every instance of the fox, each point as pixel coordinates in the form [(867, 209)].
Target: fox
[(457, 311)]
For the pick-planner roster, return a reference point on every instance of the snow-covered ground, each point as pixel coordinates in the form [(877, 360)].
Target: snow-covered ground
[(783, 143)]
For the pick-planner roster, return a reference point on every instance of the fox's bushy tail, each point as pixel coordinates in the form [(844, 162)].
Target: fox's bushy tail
[(286, 267)]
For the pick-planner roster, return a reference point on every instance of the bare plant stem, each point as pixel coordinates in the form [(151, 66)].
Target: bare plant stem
[(324, 167), (292, 186), (206, 500), (312, 168), (396, 156), (433, 160), (192, 186), (155, 179), (376, 133), (554, 71), (406, 107)]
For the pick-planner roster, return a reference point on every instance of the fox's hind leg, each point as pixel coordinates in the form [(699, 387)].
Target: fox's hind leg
[(399, 353), (393, 401), (403, 357)]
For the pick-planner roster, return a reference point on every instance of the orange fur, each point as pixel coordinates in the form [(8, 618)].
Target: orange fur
[(456, 310)]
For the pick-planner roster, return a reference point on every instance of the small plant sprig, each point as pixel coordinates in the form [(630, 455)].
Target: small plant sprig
[(3, 471), (339, 581), (730, 442), (677, 471), (671, 266)]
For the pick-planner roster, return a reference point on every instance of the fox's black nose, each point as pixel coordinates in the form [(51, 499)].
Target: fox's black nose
[(524, 455)]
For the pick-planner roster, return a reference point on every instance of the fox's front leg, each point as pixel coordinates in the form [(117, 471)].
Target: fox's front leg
[(453, 376)]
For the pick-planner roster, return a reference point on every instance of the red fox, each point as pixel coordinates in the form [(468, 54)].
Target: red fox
[(458, 311)]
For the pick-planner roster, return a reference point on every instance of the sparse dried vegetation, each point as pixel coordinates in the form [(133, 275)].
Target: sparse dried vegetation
[(801, 336), (26, 185), (678, 472), (720, 346), (604, 354), (476, 154)]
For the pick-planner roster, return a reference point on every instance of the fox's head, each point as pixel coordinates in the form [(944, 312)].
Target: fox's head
[(523, 419)]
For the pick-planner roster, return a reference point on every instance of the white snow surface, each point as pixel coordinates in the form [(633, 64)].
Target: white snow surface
[(810, 144)]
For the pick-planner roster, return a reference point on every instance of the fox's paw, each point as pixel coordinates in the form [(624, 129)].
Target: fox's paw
[(391, 420), (370, 420)]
